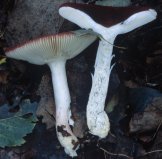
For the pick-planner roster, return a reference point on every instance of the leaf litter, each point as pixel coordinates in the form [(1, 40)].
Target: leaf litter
[(136, 131)]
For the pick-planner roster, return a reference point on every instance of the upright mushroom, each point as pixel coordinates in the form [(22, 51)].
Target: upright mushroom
[(108, 22), (54, 50)]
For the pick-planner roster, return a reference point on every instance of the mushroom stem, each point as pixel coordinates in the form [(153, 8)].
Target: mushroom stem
[(97, 119), (107, 22), (62, 101)]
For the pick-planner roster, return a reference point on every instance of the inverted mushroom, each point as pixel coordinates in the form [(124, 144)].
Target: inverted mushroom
[(108, 22), (54, 50)]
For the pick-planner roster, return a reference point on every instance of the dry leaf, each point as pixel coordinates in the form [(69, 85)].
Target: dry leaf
[(3, 76), (46, 107), (149, 119)]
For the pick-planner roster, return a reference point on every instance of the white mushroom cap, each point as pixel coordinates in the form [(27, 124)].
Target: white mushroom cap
[(99, 17), (137, 20), (54, 50), (46, 49)]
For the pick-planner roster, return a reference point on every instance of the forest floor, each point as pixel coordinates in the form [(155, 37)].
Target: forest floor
[(134, 100)]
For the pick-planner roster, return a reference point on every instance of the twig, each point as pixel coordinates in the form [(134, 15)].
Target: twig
[(2, 33), (116, 46), (123, 155), (105, 155), (51, 115), (155, 151), (113, 154), (157, 130), (148, 153)]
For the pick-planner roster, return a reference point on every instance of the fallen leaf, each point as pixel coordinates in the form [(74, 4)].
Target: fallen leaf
[(15, 126), (3, 76), (149, 119), (46, 107), (2, 61), (112, 103), (80, 125), (131, 84), (12, 130)]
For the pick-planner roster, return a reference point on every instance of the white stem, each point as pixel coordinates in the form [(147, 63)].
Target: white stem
[(62, 101), (97, 119)]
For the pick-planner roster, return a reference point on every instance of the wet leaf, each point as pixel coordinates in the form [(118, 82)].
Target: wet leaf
[(149, 119), (12, 130), (112, 103), (26, 107), (2, 61), (15, 126), (140, 98)]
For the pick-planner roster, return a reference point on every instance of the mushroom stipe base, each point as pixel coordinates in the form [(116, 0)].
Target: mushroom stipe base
[(97, 119)]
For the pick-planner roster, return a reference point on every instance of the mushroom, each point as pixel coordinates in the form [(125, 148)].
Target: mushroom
[(54, 50), (108, 22)]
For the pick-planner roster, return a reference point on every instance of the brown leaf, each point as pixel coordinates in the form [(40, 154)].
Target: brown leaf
[(46, 107), (3, 76), (80, 124), (149, 119), (131, 84)]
